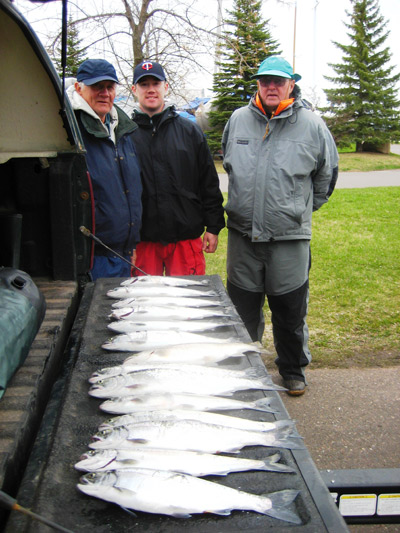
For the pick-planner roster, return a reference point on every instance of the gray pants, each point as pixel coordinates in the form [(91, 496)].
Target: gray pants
[(279, 271)]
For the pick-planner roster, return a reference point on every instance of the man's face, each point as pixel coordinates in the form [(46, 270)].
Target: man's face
[(150, 93), (100, 96), (274, 89)]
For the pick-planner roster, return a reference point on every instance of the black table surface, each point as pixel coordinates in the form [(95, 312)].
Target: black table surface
[(49, 487)]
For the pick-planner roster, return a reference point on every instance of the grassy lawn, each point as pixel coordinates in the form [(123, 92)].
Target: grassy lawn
[(354, 311), (356, 162)]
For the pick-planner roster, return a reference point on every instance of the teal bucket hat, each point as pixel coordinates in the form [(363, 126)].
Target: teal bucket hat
[(276, 66)]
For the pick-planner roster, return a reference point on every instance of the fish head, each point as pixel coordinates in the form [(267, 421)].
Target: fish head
[(104, 373), (96, 460), (98, 389), (98, 479), (109, 437)]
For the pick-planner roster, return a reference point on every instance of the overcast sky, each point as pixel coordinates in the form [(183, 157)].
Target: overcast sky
[(318, 23)]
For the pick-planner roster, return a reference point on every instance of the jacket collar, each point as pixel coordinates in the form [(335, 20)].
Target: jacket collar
[(119, 121), (283, 104)]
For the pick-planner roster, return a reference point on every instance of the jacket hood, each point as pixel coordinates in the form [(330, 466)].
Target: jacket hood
[(79, 104)]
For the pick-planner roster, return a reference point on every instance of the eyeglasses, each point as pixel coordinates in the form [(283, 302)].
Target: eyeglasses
[(276, 80)]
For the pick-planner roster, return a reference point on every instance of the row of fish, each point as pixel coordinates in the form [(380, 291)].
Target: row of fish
[(151, 456)]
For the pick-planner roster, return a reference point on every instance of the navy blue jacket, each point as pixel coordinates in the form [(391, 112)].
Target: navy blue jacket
[(181, 195), (116, 180)]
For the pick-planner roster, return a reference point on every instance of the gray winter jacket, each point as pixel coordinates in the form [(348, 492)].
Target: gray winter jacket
[(280, 171)]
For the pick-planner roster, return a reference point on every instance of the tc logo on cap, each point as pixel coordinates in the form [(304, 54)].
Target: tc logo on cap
[(147, 66)]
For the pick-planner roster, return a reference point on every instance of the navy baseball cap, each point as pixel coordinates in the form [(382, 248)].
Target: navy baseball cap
[(148, 68), (92, 71)]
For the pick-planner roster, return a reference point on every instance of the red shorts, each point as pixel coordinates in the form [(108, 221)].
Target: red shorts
[(183, 258)]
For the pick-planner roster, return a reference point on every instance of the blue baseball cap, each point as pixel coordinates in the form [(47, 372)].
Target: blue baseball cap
[(92, 71), (148, 68), (276, 66)]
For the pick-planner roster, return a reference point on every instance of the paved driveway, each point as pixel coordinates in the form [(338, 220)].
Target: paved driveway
[(354, 180)]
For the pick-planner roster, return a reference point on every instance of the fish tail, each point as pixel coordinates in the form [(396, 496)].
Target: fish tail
[(272, 464), (289, 443), (279, 501), (263, 404), (284, 424), (268, 384), (259, 348)]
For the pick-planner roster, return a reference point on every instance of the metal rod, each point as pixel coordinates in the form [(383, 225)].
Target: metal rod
[(89, 234), (10, 503)]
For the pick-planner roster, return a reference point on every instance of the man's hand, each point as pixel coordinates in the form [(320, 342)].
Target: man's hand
[(210, 243)]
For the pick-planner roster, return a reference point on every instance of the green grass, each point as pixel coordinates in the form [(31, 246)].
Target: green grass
[(354, 311), (357, 162)]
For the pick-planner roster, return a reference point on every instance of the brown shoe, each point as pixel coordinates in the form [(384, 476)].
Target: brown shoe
[(294, 387)]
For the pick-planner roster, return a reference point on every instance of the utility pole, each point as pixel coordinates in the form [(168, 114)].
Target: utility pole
[(294, 34), (219, 32)]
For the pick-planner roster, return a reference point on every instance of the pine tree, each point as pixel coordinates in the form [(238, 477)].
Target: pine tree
[(75, 52), (242, 48), (364, 107)]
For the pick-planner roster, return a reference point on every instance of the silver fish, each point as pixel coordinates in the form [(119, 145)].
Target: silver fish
[(205, 353), (157, 401), (173, 370), (165, 313), (171, 281), (181, 379), (202, 416), (194, 463), (128, 292), (180, 495), (128, 326), (191, 435), (162, 301), (151, 340)]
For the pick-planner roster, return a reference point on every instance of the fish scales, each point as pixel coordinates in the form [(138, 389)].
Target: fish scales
[(127, 292), (156, 401), (175, 380), (172, 281), (168, 370), (203, 416), (180, 495), (127, 326), (167, 301), (194, 353), (194, 463), (191, 435), (151, 340), (166, 313)]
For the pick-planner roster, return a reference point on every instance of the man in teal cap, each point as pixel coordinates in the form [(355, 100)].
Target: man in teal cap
[(282, 165)]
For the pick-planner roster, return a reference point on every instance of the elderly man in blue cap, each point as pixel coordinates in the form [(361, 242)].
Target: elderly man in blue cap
[(282, 165), (113, 167)]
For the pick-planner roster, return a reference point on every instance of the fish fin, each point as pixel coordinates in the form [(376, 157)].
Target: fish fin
[(222, 512), (268, 384), (129, 462), (259, 348), (272, 464), (179, 513), (279, 501), (139, 441), (284, 424), (287, 442), (264, 404), (129, 511), (257, 372)]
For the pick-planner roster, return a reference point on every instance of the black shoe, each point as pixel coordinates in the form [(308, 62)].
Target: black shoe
[(294, 387)]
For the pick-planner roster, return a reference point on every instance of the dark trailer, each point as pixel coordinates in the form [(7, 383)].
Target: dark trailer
[(46, 414)]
